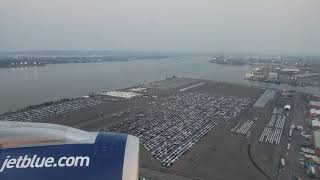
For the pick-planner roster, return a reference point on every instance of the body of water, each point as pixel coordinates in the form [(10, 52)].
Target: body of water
[(20, 87)]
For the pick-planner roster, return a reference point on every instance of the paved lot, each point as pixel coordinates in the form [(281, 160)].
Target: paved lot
[(210, 131), (299, 114)]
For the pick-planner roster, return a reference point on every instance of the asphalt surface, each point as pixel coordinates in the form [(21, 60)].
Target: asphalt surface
[(220, 154)]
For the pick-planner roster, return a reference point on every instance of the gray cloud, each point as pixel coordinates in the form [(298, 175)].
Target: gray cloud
[(236, 26)]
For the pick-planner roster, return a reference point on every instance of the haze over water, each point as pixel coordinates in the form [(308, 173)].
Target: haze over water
[(26, 86), (21, 87)]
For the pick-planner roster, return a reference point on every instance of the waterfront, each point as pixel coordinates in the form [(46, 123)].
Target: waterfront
[(21, 87)]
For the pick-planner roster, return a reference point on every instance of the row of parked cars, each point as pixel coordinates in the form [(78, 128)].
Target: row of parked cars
[(214, 105), (183, 148), (178, 122), (51, 110), (272, 132)]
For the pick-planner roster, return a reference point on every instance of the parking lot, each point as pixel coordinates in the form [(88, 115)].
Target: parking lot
[(168, 134), (272, 133), (183, 134), (44, 112)]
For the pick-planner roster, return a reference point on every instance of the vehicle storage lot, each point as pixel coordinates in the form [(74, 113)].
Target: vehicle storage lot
[(46, 112), (178, 122), (188, 134)]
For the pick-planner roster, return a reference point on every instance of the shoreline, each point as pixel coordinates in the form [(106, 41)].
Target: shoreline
[(66, 99)]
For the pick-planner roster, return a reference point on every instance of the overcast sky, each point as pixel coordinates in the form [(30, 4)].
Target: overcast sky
[(229, 26)]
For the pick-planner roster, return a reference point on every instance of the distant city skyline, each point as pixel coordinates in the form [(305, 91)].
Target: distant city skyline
[(288, 27)]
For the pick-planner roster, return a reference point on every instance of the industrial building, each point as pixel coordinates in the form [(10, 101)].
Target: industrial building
[(314, 108), (314, 104)]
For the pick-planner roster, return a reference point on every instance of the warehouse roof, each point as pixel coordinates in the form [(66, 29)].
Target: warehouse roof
[(264, 98), (288, 107), (290, 70)]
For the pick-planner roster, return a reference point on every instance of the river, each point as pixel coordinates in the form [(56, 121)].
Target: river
[(20, 87)]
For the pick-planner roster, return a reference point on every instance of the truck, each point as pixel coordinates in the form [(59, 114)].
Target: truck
[(283, 164), (290, 132)]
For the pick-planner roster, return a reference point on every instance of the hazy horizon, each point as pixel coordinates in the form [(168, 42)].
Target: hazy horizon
[(208, 26), (133, 53)]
